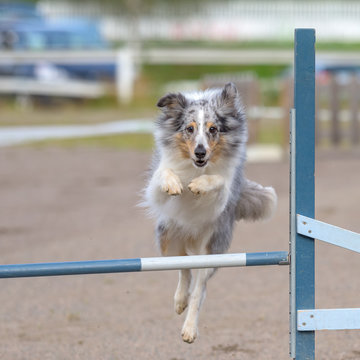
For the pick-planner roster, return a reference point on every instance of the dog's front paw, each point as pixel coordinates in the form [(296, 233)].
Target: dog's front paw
[(189, 333), (171, 183), (205, 183)]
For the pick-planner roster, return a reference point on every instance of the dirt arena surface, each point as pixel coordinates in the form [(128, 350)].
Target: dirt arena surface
[(63, 205)]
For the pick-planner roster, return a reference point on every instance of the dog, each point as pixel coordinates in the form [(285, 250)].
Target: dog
[(196, 188)]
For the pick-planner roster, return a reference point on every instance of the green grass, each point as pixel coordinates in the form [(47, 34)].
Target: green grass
[(140, 142), (321, 45), (161, 74), (338, 46), (218, 44)]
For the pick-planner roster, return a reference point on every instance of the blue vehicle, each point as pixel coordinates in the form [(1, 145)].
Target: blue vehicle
[(23, 28), (68, 34), (12, 12)]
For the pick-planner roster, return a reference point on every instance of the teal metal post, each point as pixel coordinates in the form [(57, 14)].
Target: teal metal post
[(302, 269)]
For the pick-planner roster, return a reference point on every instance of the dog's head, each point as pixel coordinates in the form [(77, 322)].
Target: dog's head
[(203, 127)]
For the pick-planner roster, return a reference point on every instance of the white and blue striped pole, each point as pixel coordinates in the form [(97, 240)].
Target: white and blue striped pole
[(144, 264)]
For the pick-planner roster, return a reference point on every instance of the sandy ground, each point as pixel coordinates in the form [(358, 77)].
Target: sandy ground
[(60, 205)]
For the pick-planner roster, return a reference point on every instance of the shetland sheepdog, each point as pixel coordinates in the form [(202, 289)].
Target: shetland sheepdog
[(196, 189)]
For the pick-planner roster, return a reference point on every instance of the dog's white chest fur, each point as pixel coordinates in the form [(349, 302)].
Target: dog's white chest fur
[(198, 196)]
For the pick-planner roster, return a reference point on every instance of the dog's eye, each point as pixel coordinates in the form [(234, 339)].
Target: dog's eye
[(213, 130), (190, 129)]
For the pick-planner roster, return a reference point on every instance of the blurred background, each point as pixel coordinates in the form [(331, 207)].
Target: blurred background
[(109, 61)]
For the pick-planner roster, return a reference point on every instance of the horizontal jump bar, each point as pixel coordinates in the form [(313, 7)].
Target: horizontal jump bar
[(144, 264)]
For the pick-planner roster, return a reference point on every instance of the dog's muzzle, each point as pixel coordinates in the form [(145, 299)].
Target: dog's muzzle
[(200, 153)]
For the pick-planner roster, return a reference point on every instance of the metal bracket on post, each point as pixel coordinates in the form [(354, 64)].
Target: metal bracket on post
[(328, 319), (328, 233)]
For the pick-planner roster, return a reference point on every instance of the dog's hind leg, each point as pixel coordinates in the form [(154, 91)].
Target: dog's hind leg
[(182, 291), (171, 244), (190, 327)]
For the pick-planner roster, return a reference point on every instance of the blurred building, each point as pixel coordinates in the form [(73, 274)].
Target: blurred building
[(218, 20)]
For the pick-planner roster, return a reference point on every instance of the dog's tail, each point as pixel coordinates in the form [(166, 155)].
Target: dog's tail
[(256, 202)]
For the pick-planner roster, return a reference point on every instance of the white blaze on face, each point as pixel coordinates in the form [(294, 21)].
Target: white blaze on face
[(201, 135)]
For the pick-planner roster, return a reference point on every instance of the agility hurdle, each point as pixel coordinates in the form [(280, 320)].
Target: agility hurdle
[(144, 264), (304, 318)]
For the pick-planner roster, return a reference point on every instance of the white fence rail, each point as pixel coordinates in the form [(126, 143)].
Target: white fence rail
[(125, 61), (66, 88)]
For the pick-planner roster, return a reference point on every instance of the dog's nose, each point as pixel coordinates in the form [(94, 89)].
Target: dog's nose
[(200, 151)]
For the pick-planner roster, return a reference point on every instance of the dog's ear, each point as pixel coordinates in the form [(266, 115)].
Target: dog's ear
[(173, 102), (173, 106), (229, 108), (229, 96), (228, 102)]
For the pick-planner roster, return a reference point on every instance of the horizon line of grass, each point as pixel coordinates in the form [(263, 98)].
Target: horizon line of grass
[(138, 142), (257, 44)]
